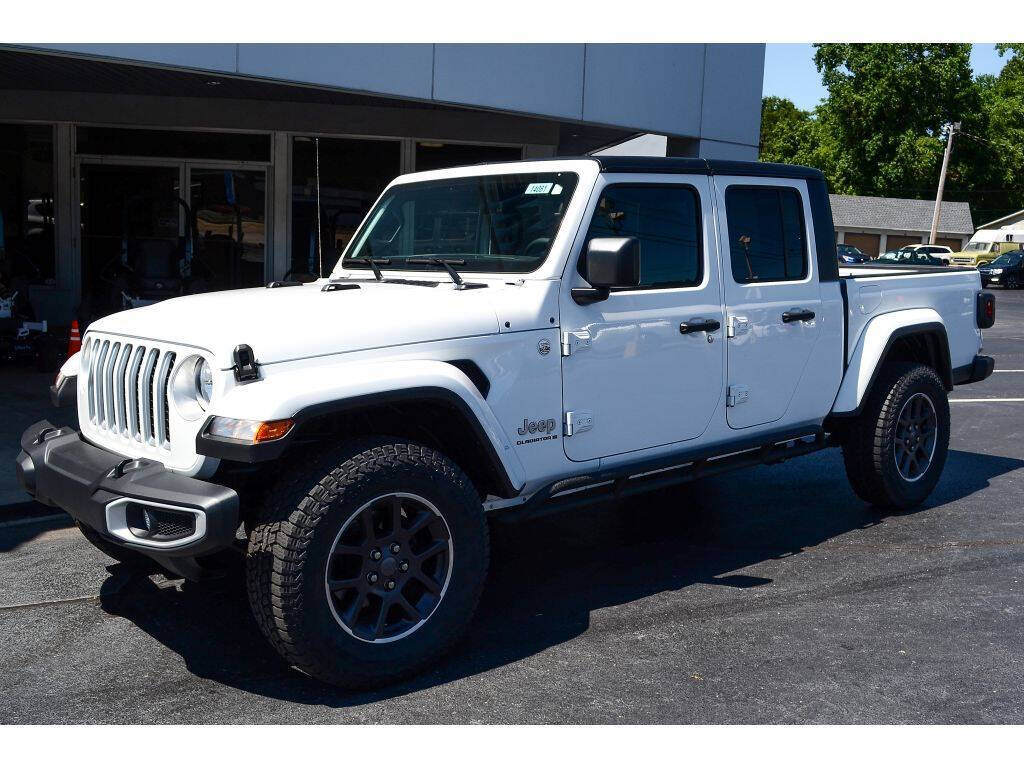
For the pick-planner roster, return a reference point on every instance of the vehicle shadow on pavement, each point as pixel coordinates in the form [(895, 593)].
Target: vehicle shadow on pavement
[(28, 523), (550, 574)]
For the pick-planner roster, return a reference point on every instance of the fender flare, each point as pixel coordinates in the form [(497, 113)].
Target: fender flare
[(306, 393), (873, 347)]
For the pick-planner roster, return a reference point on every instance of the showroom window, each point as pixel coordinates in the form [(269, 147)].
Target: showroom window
[(432, 155), (136, 142), (26, 206), (352, 174)]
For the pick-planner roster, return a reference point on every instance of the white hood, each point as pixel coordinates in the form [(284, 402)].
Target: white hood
[(295, 322)]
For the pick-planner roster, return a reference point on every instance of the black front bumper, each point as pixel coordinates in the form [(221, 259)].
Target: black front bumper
[(59, 468)]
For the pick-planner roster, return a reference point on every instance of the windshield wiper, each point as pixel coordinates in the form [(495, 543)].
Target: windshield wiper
[(446, 263), (372, 263)]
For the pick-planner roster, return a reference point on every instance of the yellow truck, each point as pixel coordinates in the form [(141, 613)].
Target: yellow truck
[(986, 246)]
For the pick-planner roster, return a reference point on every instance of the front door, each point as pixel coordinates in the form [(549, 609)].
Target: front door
[(772, 297), (638, 374)]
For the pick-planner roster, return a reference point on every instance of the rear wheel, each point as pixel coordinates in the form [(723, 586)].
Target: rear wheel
[(895, 452), (368, 566)]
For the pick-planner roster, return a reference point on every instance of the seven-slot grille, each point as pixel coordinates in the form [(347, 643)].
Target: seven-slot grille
[(128, 390)]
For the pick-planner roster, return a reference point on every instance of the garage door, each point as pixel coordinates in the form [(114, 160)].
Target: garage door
[(949, 242), (892, 242), (867, 243)]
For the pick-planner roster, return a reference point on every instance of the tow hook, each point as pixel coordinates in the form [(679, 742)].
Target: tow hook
[(43, 434)]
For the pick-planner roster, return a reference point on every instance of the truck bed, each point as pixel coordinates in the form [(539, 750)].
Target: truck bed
[(873, 290)]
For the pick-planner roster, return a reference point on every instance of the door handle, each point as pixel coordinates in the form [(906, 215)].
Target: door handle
[(797, 314), (696, 324)]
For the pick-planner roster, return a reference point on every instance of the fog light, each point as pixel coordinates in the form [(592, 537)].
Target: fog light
[(249, 431)]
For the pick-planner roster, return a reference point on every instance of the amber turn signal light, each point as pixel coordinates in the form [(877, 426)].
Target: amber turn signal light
[(272, 430)]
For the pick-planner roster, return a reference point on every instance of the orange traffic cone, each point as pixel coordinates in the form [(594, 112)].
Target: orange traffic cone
[(75, 339)]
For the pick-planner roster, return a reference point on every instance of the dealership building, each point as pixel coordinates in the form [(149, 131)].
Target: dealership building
[(213, 164)]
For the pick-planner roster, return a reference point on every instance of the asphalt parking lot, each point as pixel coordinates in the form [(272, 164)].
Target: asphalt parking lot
[(771, 596)]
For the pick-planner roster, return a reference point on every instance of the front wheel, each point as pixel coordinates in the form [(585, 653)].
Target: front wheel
[(895, 452), (367, 567)]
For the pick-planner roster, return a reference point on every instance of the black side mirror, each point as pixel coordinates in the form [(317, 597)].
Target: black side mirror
[(610, 262)]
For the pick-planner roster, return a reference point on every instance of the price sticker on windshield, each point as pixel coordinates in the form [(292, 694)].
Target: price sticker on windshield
[(539, 188)]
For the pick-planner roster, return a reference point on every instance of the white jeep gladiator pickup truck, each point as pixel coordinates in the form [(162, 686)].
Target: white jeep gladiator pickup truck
[(506, 339)]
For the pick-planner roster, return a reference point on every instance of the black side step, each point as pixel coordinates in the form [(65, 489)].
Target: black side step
[(573, 493)]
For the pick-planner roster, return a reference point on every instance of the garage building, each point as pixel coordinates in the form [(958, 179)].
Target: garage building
[(880, 224)]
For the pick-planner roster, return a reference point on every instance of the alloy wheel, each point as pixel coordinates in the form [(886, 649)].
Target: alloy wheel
[(916, 437), (389, 567)]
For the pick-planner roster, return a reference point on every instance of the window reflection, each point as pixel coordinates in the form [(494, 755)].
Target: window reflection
[(26, 206), (353, 173), (432, 155), (229, 207)]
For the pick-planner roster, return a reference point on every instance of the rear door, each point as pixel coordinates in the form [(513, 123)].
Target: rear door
[(639, 374), (772, 297)]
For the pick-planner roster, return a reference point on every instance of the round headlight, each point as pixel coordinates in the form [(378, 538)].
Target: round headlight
[(204, 383)]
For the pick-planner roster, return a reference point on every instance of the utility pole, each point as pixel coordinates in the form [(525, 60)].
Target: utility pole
[(942, 181)]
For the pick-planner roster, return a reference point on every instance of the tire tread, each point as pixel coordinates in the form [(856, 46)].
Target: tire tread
[(290, 514)]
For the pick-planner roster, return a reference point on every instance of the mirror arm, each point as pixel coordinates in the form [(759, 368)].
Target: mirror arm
[(584, 296)]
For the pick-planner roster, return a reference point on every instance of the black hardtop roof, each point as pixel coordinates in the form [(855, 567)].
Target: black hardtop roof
[(625, 164), (689, 165)]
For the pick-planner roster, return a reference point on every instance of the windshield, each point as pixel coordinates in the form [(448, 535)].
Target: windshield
[(1007, 260), (498, 223), (977, 246)]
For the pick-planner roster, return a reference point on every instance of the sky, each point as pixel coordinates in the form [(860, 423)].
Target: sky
[(789, 71)]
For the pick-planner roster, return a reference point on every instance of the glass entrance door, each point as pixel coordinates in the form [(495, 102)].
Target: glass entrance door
[(143, 241), (132, 235), (229, 206)]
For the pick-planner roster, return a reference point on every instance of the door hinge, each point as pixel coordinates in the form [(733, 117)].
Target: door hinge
[(736, 326), (578, 421), (573, 340), (736, 396)]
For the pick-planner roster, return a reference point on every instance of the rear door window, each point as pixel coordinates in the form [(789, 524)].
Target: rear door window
[(767, 236)]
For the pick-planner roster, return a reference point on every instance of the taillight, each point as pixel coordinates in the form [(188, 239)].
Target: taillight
[(986, 309)]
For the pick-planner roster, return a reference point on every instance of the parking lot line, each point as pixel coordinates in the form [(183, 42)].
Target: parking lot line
[(988, 400), (1009, 370)]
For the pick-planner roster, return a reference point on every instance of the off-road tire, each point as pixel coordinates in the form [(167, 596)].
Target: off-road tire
[(114, 551), (868, 446), (300, 520)]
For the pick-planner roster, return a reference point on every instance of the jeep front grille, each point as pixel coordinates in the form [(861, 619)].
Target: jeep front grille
[(128, 387)]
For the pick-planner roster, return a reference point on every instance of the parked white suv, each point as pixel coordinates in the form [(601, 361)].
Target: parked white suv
[(941, 252), (508, 339)]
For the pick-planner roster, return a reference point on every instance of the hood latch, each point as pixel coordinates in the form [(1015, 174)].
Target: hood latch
[(246, 368)]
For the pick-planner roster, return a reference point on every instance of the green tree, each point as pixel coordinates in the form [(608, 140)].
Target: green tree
[(886, 108), (881, 130), (995, 142), (786, 132), (792, 135)]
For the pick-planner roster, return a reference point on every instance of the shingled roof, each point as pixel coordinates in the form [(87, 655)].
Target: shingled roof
[(895, 213)]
